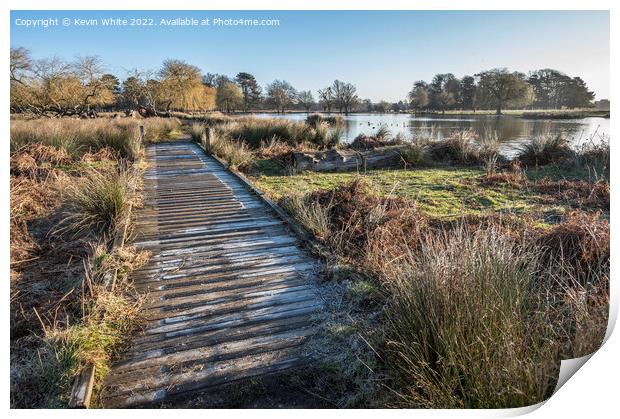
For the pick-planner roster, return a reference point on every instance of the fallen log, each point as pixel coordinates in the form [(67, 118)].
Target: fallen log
[(348, 160)]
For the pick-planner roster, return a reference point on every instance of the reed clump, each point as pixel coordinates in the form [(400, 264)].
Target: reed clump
[(256, 131), (545, 149)]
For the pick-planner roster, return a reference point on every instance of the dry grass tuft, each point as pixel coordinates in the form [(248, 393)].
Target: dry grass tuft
[(311, 214), (316, 118), (461, 148), (581, 243), (237, 154), (545, 149), (97, 203), (577, 193), (461, 328)]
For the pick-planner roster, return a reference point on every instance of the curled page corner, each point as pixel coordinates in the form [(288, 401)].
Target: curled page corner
[(568, 368), (520, 411)]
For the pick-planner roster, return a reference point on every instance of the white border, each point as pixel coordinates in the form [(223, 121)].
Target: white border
[(593, 390)]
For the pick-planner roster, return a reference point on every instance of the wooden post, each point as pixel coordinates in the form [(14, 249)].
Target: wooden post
[(208, 135), (203, 139), (83, 388), (142, 134)]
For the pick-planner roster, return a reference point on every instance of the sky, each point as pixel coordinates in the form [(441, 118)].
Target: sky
[(382, 52)]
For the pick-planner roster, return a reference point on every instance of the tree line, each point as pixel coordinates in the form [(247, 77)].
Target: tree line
[(500, 89), (55, 87)]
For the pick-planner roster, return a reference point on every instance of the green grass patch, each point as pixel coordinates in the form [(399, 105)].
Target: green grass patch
[(439, 192)]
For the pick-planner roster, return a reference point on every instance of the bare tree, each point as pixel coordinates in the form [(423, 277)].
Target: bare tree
[(20, 64), (305, 99), (327, 98), (281, 94), (89, 70), (345, 94)]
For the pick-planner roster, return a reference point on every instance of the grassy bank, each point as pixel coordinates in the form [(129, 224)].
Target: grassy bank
[(71, 188), (529, 113), (457, 313), (459, 280)]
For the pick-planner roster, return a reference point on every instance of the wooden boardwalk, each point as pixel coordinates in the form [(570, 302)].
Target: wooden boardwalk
[(230, 295)]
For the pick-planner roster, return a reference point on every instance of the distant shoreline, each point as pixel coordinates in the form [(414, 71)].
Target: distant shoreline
[(519, 113)]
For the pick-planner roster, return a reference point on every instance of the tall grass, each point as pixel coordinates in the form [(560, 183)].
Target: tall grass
[(196, 131), (256, 131), (237, 154), (77, 137), (462, 332), (595, 157), (87, 321), (311, 214), (161, 129), (96, 203)]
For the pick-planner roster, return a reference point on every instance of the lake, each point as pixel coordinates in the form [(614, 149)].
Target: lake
[(511, 131)]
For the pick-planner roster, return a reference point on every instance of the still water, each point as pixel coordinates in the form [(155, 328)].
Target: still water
[(510, 131)]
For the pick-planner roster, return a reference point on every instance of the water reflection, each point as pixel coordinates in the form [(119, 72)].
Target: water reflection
[(510, 131)]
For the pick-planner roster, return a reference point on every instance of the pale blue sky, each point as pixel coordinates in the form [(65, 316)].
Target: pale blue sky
[(382, 52)]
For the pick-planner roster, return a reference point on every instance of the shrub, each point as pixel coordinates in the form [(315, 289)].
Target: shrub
[(545, 149)]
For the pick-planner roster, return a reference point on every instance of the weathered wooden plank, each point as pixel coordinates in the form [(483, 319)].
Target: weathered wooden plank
[(230, 295), (215, 352), (215, 374)]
